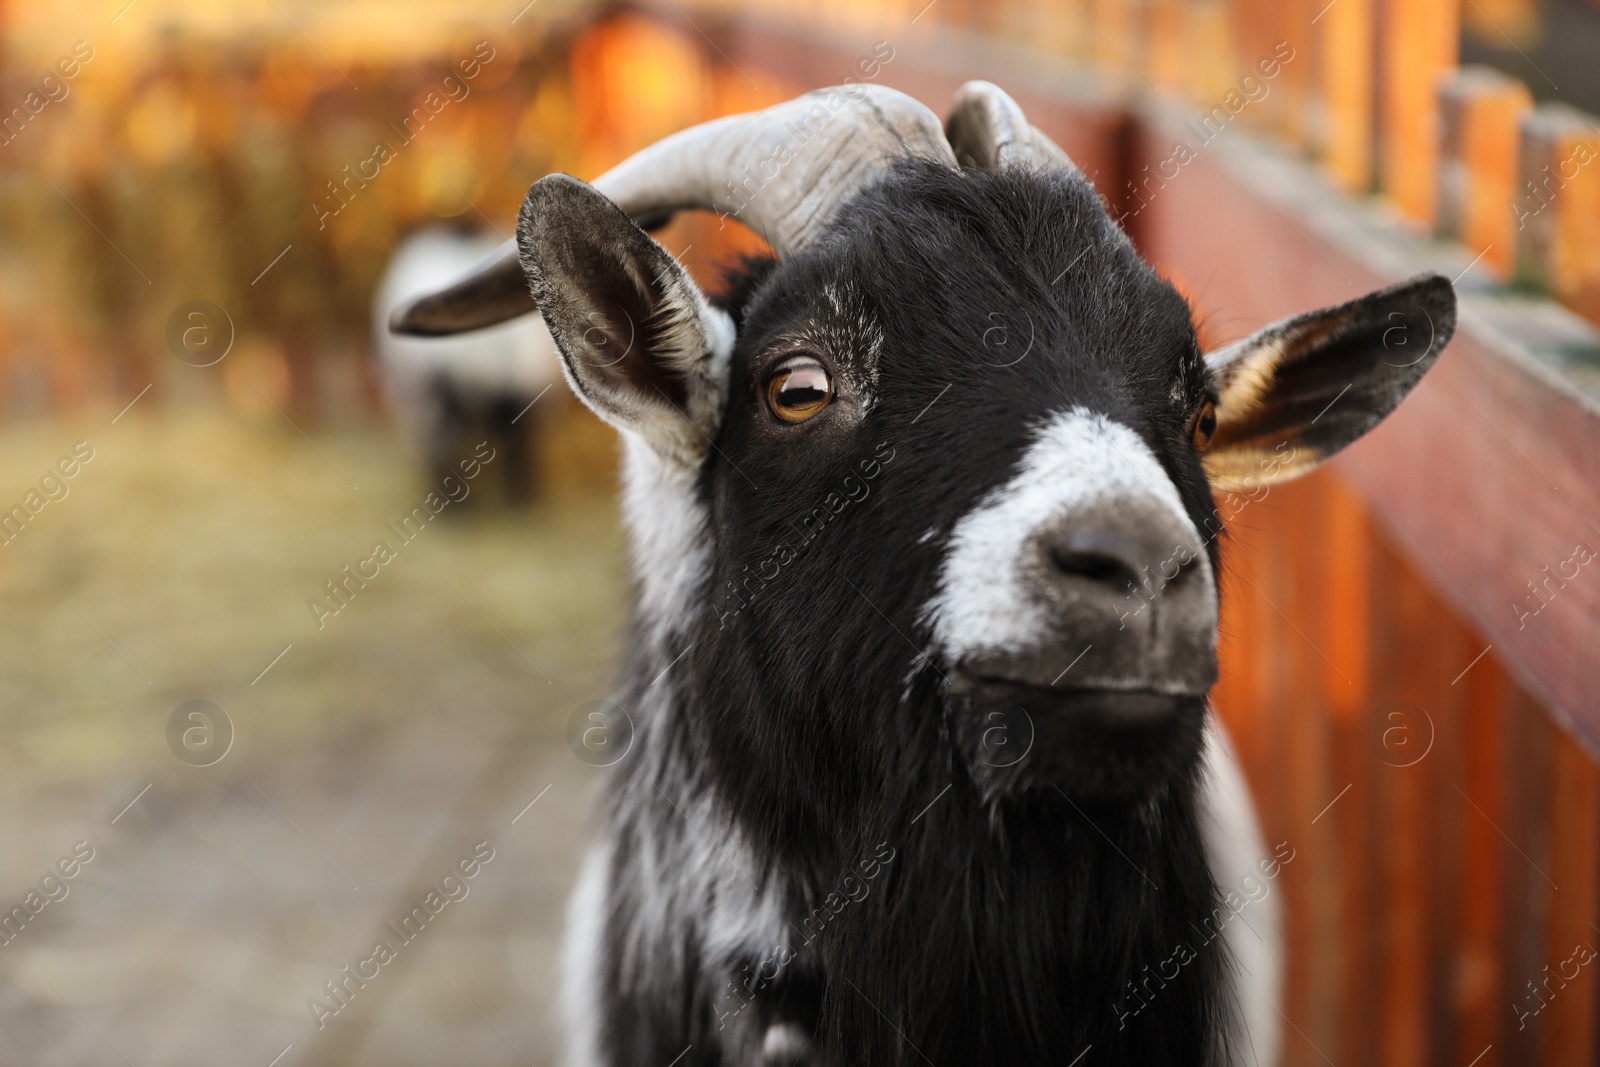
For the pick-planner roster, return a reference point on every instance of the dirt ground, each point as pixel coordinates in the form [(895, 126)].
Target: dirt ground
[(368, 757)]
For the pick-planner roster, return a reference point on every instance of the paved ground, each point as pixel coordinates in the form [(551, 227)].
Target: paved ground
[(372, 756)]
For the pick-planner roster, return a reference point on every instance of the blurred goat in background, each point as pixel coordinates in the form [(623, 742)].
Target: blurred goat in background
[(450, 393)]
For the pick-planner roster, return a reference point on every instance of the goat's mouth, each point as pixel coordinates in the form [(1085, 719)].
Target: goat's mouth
[(1129, 705), (1101, 743)]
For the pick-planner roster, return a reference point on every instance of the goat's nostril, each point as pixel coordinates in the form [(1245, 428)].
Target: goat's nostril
[(1092, 565)]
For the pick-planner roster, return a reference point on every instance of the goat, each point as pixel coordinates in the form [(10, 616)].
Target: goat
[(450, 394), (877, 543)]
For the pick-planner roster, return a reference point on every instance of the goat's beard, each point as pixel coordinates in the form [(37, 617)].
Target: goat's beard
[(1030, 746)]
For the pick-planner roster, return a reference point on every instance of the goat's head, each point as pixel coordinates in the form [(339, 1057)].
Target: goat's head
[(945, 470)]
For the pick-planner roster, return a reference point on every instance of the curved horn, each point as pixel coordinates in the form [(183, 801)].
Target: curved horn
[(988, 130), (493, 293), (781, 171)]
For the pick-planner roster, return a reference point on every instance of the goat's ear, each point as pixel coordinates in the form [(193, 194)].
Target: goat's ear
[(639, 343), (1300, 390)]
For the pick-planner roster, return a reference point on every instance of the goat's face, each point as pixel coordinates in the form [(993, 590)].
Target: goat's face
[(1000, 500), (938, 488)]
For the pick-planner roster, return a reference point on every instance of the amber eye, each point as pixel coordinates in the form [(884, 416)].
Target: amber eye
[(1203, 425), (800, 389)]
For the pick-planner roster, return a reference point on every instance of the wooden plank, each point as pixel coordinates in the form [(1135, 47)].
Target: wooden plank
[(1260, 697), (1481, 994), (1250, 689), (1238, 696), (1525, 858), (1295, 665), (1345, 569), (1408, 850), (1574, 817), (1306, 552), (1353, 822), (1439, 653)]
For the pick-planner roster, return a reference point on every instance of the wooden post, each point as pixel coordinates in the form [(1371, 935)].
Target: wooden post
[(1419, 40), (1344, 54), (1556, 212), (1256, 27), (1295, 88), (1515, 21), (1212, 49), (1167, 46), (1058, 30), (1112, 43), (1482, 111)]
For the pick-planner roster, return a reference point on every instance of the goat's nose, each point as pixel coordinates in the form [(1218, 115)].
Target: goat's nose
[(1128, 575), (1120, 549)]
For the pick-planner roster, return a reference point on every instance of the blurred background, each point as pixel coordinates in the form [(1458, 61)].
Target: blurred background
[(250, 761)]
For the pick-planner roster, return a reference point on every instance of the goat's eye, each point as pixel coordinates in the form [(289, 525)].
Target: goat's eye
[(1203, 425), (798, 390)]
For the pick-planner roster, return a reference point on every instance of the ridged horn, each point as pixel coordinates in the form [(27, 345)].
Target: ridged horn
[(781, 171), (988, 130)]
